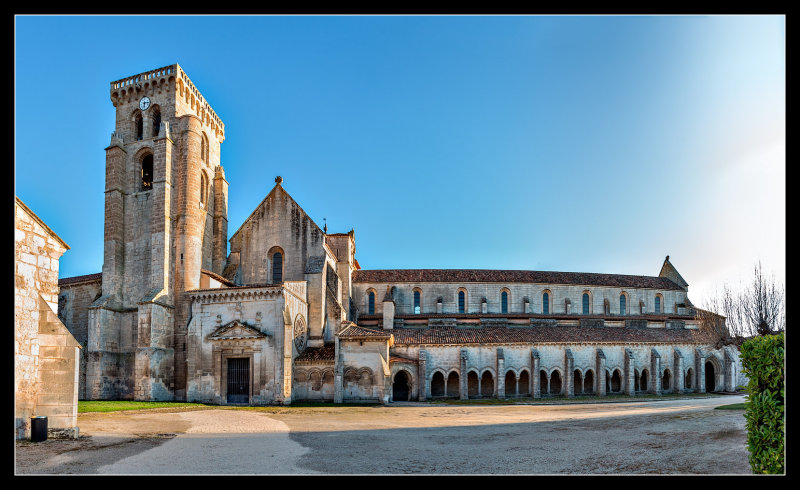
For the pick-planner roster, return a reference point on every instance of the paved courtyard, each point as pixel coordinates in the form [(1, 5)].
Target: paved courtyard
[(656, 437)]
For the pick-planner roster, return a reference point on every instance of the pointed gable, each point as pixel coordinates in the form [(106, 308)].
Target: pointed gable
[(236, 330), (670, 272)]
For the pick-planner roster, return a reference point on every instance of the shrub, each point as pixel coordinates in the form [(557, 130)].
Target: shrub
[(763, 363)]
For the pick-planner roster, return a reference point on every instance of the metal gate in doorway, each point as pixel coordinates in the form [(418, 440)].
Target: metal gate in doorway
[(239, 380)]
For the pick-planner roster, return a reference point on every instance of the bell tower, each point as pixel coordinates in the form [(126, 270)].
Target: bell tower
[(166, 206)]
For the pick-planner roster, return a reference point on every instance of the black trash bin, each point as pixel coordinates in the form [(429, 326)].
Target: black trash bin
[(38, 429)]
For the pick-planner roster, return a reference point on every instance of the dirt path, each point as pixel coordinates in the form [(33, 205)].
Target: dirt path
[(676, 436)]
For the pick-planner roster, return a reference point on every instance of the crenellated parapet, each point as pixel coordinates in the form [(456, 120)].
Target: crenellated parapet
[(132, 88)]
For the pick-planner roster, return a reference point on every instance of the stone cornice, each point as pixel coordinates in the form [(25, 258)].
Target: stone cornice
[(224, 295)]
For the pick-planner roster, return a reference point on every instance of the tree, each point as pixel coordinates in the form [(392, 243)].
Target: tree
[(731, 316), (763, 304)]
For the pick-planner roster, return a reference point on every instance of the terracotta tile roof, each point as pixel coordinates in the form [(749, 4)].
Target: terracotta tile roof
[(502, 335), (353, 331), (326, 353), (76, 279), (461, 276), (393, 358)]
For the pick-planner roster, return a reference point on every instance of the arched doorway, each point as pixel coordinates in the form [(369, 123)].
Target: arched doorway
[(452, 385), (689, 378), (401, 388), (636, 380), (643, 380), (666, 381), (437, 384), (711, 378)]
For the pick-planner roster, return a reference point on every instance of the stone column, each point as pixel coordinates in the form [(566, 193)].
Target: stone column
[(601, 373), (501, 379), (463, 386), (338, 370), (655, 371), (569, 377), (630, 386), (535, 388), (423, 376), (700, 365), (679, 376), (729, 371)]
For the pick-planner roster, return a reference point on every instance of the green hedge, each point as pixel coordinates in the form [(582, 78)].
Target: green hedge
[(762, 361)]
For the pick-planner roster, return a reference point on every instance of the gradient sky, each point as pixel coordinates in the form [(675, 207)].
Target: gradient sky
[(579, 143)]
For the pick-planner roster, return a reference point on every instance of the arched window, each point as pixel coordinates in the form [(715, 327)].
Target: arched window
[(371, 303), (545, 303), (622, 305), (462, 302), (156, 120), (504, 302), (147, 173), (585, 303), (658, 303), (277, 268), (139, 126), (417, 306)]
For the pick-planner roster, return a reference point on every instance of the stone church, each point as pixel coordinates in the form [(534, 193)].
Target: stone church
[(288, 314)]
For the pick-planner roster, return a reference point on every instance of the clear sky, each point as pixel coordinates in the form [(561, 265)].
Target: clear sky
[(579, 143)]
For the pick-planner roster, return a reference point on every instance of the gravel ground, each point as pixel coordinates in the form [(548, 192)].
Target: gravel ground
[(659, 437)]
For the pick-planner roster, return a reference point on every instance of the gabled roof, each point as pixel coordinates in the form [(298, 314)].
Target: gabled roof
[(65, 281), (511, 276), (277, 189), (669, 271)]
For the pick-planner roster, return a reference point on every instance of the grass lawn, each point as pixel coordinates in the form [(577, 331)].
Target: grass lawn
[(733, 406), (119, 405)]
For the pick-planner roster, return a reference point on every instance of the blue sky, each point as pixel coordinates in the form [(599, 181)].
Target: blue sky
[(579, 143)]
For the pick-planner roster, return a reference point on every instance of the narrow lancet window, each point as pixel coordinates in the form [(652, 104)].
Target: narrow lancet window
[(277, 268), (139, 127), (504, 302), (621, 304), (371, 307), (545, 304), (416, 303), (462, 303), (585, 303), (658, 304)]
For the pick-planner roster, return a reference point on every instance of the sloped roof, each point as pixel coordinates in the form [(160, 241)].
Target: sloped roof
[(326, 353), (65, 281), (511, 276), (40, 222), (502, 335)]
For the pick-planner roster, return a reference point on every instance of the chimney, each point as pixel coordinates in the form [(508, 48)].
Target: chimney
[(388, 310)]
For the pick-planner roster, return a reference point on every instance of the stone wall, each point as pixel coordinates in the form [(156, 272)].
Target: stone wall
[(74, 299), (476, 292), (45, 354)]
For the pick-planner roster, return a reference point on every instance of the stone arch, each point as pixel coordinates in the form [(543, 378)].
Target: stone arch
[(615, 381), (462, 307), (402, 385), (588, 381), (487, 383), (137, 120), (300, 375), (315, 376), (511, 382), (689, 379), (589, 310), (544, 382), (624, 303), (371, 305), (146, 171), (523, 383), (547, 301), (507, 301), (644, 381), (438, 383), (658, 306), (712, 372), (577, 382), (472, 383), (666, 381), (555, 382), (203, 188), (452, 387)]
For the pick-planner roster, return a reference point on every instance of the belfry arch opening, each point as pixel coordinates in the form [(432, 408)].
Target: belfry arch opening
[(147, 173)]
